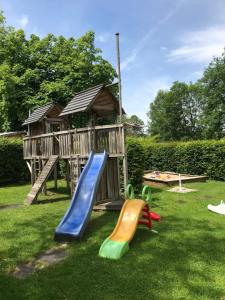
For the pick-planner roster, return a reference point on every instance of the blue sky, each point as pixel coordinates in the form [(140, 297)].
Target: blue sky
[(161, 41)]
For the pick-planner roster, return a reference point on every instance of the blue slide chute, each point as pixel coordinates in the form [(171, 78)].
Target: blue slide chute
[(77, 216)]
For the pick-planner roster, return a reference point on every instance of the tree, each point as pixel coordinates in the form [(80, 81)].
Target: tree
[(176, 114), (138, 125), (213, 86), (34, 71)]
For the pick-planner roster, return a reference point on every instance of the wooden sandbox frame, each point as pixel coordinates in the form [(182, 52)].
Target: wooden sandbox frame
[(157, 181)]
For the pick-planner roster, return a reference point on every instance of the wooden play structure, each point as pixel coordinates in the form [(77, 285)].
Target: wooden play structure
[(53, 135)]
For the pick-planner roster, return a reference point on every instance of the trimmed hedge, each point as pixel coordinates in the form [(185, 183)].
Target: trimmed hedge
[(196, 157), (12, 165), (136, 163)]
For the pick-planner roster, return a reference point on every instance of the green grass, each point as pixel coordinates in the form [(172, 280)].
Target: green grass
[(185, 261)]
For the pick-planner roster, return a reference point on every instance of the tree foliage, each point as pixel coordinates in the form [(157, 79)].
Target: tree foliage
[(175, 114), (37, 70), (213, 93), (191, 111), (12, 170), (138, 125)]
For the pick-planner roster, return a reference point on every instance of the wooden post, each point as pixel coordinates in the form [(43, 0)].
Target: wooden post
[(78, 167), (71, 175), (68, 176), (70, 143), (39, 165), (125, 171), (94, 139), (32, 172), (55, 177), (118, 176), (35, 170), (89, 140)]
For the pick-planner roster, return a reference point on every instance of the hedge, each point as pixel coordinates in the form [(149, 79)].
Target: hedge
[(12, 165), (196, 157), (136, 162)]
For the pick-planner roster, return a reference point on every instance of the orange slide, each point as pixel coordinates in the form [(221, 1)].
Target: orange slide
[(118, 242)]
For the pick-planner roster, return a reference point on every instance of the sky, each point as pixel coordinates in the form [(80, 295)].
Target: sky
[(161, 41)]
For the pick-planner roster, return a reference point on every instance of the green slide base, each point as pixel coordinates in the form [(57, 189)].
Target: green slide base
[(112, 249)]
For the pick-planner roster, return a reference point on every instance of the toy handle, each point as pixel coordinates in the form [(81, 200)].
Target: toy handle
[(146, 194), (129, 192)]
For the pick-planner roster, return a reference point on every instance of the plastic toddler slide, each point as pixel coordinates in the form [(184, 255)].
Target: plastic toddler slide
[(117, 244)]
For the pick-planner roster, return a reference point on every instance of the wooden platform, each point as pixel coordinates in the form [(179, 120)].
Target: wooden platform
[(157, 178)]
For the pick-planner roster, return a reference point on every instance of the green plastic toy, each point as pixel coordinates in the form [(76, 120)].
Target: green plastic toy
[(146, 194), (129, 193)]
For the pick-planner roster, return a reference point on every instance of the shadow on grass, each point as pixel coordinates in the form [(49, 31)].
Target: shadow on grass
[(155, 190), (51, 200), (174, 264), (15, 184), (10, 206), (59, 190)]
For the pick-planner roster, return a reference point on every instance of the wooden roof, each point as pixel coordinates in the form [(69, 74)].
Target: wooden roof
[(39, 113), (99, 98)]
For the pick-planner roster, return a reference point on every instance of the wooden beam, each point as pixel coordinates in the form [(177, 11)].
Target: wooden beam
[(29, 166), (68, 175), (55, 177), (32, 172)]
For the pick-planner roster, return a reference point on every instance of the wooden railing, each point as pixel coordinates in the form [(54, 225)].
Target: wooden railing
[(76, 142)]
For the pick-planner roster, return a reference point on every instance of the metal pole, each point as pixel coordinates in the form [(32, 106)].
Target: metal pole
[(119, 75)]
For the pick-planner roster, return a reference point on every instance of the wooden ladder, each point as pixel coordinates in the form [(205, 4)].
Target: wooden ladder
[(41, 179)]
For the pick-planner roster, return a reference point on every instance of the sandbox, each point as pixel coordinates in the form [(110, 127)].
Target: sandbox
[(157, 178)]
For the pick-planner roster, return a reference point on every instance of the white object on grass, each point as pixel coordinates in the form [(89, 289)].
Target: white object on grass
[(154, 231), (180, 183), (219, 209)]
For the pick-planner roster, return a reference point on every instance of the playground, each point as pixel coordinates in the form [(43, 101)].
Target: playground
[(96, 203), (180, 261), (157, 243)]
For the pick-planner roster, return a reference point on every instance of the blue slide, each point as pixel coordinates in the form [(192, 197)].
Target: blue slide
[(76, 218)]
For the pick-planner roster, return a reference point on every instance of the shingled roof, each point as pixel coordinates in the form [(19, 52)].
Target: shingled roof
[(82, 100), (86, 99), (38, 113)]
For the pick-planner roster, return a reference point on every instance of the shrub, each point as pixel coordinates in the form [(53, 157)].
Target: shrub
[(195, 157), (12, 165), (136, 162)]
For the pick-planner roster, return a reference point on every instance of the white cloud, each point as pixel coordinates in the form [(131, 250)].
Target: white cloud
[(143, 95), (152, 86), (102, 38), (196, 75), (23, 21), (140, 45), (163, 48), (199, 46)]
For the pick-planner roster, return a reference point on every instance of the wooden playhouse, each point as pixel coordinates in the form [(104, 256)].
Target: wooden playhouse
[(52, 136)]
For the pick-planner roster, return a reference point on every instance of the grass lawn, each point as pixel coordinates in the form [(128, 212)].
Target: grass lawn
[(185, 261)]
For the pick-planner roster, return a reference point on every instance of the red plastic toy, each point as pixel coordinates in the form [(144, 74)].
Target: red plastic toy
[(148, 216)]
